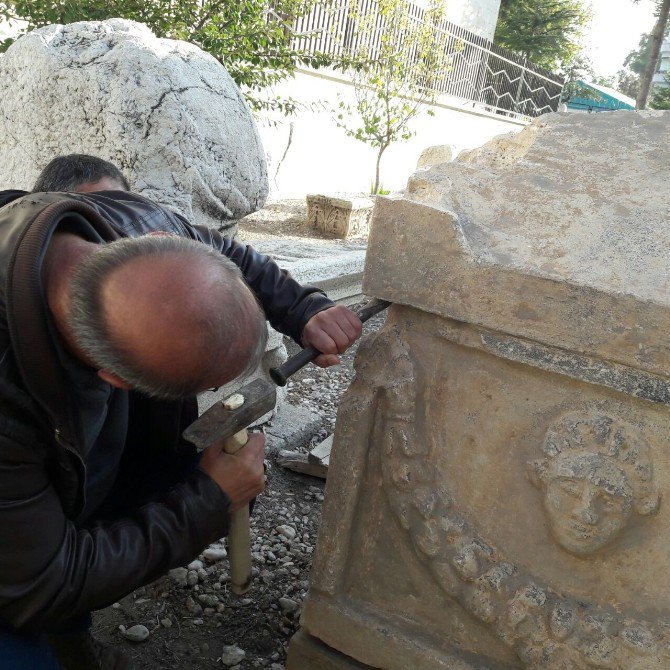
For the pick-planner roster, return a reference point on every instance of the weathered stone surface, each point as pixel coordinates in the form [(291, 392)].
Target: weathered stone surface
[(441, 153), (331, 265), (291, 427), (339, 217), (165, 112), (539, 235), (308, 652), (498, 483)]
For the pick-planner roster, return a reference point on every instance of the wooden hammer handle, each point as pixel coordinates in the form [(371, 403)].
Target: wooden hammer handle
[(239, 536)]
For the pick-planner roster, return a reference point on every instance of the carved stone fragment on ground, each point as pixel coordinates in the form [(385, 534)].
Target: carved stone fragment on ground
[(498, 483), (339, 217)]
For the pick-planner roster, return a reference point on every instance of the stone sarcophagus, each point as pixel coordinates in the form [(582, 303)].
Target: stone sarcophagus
[(500, 478)]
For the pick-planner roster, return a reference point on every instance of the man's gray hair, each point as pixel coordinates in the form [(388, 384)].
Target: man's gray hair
[(91, 333)]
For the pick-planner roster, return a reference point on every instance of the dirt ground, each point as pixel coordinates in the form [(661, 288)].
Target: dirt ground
[(255, 623)]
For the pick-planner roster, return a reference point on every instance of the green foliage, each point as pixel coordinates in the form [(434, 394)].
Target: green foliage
[(628, 83), (575, 71), (636, 61), (405, 56), (546, 32), (254, 43), (660, 98)]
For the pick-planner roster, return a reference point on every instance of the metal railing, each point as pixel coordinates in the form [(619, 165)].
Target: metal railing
[(477, 70)]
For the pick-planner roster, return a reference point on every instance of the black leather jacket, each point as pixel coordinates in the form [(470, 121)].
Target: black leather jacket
[(50, 568)]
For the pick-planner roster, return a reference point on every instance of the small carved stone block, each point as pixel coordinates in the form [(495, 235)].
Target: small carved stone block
[(339, 217)]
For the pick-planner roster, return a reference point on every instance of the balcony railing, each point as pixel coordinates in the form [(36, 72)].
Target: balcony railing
[(478, 71)]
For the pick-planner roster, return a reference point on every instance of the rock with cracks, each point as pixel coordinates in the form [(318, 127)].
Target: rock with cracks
[(165, 112)]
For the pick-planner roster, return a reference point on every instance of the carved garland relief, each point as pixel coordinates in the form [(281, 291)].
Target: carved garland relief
[(595, 473)]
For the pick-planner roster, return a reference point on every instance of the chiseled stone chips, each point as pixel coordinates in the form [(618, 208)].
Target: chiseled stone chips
[(499, 480)]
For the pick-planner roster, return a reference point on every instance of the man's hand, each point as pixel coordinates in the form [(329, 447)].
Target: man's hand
[(332, 332), (240, 476)]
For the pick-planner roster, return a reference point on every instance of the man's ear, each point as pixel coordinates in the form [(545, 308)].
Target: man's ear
[(112, 379)]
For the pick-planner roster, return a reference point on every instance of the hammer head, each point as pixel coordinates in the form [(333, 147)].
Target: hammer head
[(218, 423)]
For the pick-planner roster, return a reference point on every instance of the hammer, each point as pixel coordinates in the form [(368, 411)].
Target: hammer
[(227, 421)]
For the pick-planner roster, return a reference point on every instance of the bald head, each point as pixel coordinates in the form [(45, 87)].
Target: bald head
[(166, 315)]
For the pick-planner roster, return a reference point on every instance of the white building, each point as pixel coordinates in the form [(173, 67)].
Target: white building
[(664, 65)]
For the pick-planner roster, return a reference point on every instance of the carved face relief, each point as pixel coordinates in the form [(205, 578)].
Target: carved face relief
[(588, 501), (596, 473)]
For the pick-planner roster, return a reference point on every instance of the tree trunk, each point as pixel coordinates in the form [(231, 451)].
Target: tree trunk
[(656, 38), (382, 149)]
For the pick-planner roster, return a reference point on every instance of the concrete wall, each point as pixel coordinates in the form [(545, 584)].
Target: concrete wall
[(322, 159)]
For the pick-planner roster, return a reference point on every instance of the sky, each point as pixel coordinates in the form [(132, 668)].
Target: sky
[(615, 31)]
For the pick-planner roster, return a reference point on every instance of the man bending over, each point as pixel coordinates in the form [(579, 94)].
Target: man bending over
[(114, 313)]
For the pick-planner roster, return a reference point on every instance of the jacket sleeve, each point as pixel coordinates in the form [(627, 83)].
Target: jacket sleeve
[(9, 196), (287, 304), (51, 571)]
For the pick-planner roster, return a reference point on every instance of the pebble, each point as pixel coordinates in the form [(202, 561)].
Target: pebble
[(193, 607), (214, 553), (136, 633), (286, 531), (195, 565), (232, 655), (208, 600), (191, 578), (178, 576), (288, 605), (166, 623)]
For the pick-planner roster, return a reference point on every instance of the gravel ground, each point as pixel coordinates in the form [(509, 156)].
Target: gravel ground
[(190, 619)]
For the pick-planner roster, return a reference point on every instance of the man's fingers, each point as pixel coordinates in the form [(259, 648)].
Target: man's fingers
[(355, 322), (240, 474), (340, 338), (322, 341), (349, 328), (326, 360)]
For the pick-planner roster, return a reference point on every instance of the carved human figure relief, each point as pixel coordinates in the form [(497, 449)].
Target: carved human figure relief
[(595, 475)]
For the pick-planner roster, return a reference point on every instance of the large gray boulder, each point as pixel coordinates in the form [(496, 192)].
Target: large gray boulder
[(164, 111)]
